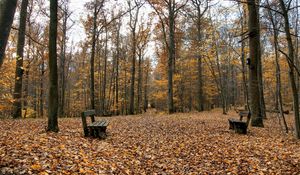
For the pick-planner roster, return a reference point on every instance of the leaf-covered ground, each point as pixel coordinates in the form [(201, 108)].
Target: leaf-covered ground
[(195, 143)]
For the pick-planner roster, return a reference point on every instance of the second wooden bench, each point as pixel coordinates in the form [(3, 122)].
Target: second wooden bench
[(95, 128)]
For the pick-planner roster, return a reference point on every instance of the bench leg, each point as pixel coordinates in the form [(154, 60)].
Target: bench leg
[(231, 125), (92, 132), (102, 135)]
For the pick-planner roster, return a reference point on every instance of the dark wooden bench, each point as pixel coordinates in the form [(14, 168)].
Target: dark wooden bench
[(95, 128), (239, 126)]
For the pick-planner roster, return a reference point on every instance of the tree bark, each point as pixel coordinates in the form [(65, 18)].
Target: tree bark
[(92, 61), (291, 59), (117, 67), (17, 113), (7, 12), (146, 87), (254, 44), (53, 77), (103, 99), (42, 88), (140, 78), (171, 59), (243, 58), (279, 102), (63, 61), (197, 6), (133, 24)]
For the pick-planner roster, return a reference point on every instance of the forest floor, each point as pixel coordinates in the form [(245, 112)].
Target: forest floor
[(193, 143)]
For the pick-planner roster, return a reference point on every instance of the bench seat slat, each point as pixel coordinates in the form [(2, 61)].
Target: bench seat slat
[(101, 123)]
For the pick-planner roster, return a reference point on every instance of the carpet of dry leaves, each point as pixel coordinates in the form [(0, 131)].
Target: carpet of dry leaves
[(194, 143)]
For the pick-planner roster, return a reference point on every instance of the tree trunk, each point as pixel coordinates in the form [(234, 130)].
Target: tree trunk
[(103, 99), (17, 113), (254, 46), (261, 89), (140, 79), (53, 77), (92, 61), (146, 87), (171, 55), (63, 63), (117, 68), (7, 12), (279, 102), (244, 68), (291, 64), (199, 64), (133, 57), (42, 88)]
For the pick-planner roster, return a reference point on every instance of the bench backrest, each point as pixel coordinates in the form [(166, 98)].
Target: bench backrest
[(85, 114), (89, 112)]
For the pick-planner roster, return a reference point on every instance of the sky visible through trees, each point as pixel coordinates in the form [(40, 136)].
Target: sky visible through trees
[(194, 67)]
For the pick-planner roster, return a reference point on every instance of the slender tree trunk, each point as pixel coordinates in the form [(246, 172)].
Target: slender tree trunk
[(117, 69), (111, 90), (132, 82), (199, 64), (171, 59), (53, 77), (140, 79), (291, 64), (220, 79), (42, 88), (92, 61), (279, 102), (7, 12), (146, 88), (278, 83), (26, 88), (254, 46), (244, 68), (125, 91), (103, 101), (17, 113), (63, 64)]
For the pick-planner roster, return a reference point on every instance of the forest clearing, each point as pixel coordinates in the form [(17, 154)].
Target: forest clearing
[(192, 143), (149, 87)]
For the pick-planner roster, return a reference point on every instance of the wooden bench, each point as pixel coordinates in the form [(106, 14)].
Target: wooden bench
[(239, 126), (95, 128)]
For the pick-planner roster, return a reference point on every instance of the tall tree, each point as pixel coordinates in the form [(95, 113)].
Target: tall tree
[(7, 12), (17, 113), (172, 8), (53, 76), (143, 39), (133, 26), (255, 54), (118, 26), (63, 62), (243, 55), (279, 102), (200, 6), (92, 61), (291, 61)]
